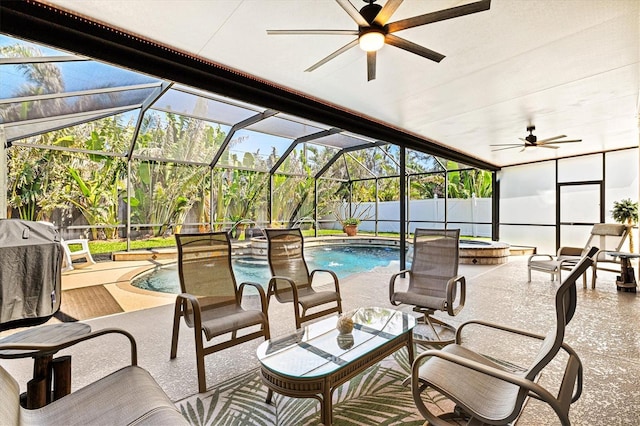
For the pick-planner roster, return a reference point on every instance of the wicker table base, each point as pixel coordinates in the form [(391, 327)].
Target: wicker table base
[(347, 363)]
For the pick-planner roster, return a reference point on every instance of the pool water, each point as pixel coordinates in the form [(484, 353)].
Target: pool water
[(343, 260)]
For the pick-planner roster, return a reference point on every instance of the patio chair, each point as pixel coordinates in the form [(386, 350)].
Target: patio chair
[(76, 254), (125, 397), (291, 281), (434, 283), (211, 302), (71, 255), (606, 236), (486, 390)]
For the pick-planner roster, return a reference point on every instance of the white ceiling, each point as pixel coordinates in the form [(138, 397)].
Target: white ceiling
[(566, 66)]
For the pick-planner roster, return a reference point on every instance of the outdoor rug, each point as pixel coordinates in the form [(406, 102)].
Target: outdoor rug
[(375, 397), (87, 302)]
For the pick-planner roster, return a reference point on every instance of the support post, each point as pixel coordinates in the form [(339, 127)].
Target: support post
[(403, 209), (3, 174)]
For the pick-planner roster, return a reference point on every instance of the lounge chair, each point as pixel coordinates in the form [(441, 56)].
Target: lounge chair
[(291, 281), (606, 236), (487, 391), (434, 283), (210, 301), (127, 396)]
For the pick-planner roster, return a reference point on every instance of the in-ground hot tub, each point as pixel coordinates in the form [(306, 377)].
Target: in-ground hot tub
[(259, 245), (478, 252)]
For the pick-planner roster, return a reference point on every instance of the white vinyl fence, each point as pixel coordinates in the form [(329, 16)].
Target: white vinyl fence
[(471, 215)]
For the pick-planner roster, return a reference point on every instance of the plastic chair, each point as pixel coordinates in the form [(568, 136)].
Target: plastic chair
[(606, 236), (71, 255)]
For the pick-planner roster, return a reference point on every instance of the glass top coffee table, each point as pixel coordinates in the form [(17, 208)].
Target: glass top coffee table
[(316, 359)]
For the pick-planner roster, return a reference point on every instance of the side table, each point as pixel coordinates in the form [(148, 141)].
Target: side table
[(49, 374), (627, 279)]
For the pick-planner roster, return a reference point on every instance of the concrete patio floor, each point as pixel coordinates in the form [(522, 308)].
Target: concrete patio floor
[(603, 332)]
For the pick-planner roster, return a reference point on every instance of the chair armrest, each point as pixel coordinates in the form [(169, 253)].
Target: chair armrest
[(496, 327), (263, 298), (184, 298), (43, 347), (535, 256), (392, 284), (451, 286), (84, 243), (333, 276), (272, 288)]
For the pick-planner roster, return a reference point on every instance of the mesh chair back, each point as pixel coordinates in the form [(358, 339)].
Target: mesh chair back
[(204, 268), (286, 258), (566, 303), (435, 261)]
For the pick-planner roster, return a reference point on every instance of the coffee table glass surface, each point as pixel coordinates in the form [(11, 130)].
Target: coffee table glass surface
[(319, 349)]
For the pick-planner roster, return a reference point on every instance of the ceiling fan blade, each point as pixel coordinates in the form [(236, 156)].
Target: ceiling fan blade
[(506, 144), (413, 48), (547, 140), (440, 15), (509, 147), (312, 32), (567, 141), (333, 55), (387, 10), (353, 12), (371, 66), (547, 146)]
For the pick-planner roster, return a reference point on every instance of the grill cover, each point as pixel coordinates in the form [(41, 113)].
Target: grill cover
[(30, 273)]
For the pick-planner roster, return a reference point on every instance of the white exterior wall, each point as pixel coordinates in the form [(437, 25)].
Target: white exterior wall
[(429, 211)]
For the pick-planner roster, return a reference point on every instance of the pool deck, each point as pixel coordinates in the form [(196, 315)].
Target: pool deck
[(115, 278), (603, 332)]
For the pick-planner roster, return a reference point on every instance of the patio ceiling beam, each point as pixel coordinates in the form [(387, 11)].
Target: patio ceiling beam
[(362, 165), (238, 126), (78, 93), (302, 139), (328, 164), (49, 25), (168, 160), (42, 59), (83, 117), (151, 99), (69, 149), (335, 158)]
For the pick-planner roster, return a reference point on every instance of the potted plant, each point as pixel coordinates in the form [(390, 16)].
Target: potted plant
[(350, 226), (350, 217), (626, 212)]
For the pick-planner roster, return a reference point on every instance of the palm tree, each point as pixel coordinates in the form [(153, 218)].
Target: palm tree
[(626, 212)]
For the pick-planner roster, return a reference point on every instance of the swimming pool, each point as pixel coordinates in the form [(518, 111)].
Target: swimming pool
[(343, 260)]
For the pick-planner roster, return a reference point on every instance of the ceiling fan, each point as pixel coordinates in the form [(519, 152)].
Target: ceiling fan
[(531, 140), (374, 31)]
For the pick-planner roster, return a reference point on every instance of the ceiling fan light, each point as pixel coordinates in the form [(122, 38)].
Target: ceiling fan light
[(371, 41)]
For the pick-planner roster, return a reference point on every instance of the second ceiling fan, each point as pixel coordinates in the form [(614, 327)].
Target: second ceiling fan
[(531, 141), (374, 30)]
